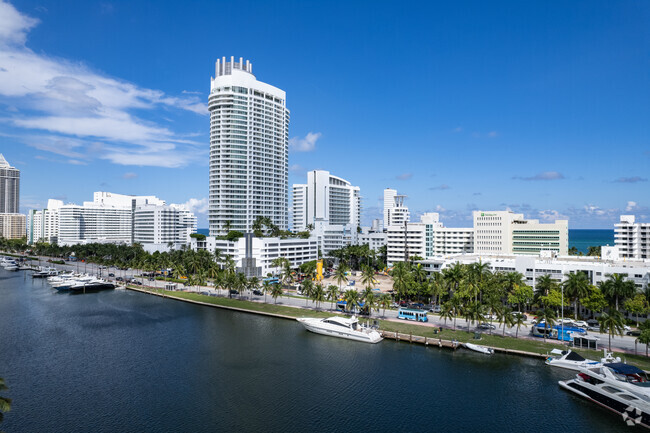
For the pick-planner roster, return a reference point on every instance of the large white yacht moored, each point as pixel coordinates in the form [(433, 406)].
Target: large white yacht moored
[(621, 388), (341, 327), (573, 361)]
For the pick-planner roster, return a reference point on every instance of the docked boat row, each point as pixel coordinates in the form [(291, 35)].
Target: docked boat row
[(45, 272), (78, 283), (9, 264)]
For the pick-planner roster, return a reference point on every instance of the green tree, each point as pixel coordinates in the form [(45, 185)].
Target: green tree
[(518, 322), (351, 299), (5, 403), (385, 302), (543, 286), (307, 289), (318, 295), (368, 277), (617, 287), (576, 286), (521, 294), (266, 288), (595, 300), (276, 290), (508, 320), (332, 294), (340, 275), (644, 338), (548, 316), (612, 323), (636, 305), (447, 312)]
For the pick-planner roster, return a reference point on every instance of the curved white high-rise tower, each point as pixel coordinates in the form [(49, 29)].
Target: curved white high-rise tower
[(249, 149)]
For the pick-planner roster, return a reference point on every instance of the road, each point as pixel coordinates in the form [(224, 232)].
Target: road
[(619, 343)]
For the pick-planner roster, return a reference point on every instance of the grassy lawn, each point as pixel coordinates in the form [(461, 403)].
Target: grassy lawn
[(494, 340)]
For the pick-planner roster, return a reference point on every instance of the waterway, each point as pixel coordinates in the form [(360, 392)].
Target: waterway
[(130, 362)]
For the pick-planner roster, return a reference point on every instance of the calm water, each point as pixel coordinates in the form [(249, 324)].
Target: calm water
[(127, 362), (582, 239)]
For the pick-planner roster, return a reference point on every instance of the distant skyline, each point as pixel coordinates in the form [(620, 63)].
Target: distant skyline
[(537, 107)]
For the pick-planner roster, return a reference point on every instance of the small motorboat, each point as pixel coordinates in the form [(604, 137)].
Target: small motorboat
[(480, 349)]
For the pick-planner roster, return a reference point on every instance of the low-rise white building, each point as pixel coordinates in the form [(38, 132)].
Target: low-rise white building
[(557, 267), (43, 225), (505, 232), (374, 239), (263, 250), (427, 238), (632, 239)]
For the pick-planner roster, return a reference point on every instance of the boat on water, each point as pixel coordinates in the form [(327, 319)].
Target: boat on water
[(46, 272), (478, 348), (92, 285), (11, 267), (622, 388), (573, 361), (341, 327)]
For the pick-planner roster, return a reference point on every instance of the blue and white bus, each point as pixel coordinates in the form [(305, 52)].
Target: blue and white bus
[(409, 314)]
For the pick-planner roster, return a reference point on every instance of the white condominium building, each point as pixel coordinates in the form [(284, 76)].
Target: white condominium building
[(12, 225), (505, 232), (325, 198), (92, 222), (160, 228), (632, 238), (249, 149), (426, 239), (43, 225), (374, 239), (395, 211), (9, 187)]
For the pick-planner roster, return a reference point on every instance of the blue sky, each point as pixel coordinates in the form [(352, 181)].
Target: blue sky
[(539, 107)]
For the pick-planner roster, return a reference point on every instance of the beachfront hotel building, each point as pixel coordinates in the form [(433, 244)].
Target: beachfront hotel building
[(505, 232), (632, 239), (43, 224), (249, 150), (325, 198), (426, 239), (396, 213)]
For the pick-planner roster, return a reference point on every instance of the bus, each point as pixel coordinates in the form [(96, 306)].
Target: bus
[(272, 280), (409, 314)]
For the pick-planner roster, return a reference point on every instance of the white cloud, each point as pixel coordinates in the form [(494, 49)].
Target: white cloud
[(78, 106), (297, 169), (197, 205), (13, 25), (404, 176), (129, 175), (306, 144), (631, 206), (545, 175)]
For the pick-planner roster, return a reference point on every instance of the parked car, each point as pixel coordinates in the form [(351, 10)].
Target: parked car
[(515, 313), (435, 309), (580, 324), (486, 326), (627, 328), (136, 282), (111, 274), (257, 292), (417, 305), (634, 332), (491, 317), (119, 279), (234, 292)]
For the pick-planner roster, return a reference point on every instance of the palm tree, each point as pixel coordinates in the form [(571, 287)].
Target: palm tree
[(402, 276), (548, 316), (518, 321), (612, 323), (616, 286), (385, 302), (473, 312), (576, 286), (5, 403), (318, 295), (339, 274), (351, 299), (543, 286), (453, 276), (332, 294), (252, 284), (644, 338), (307, 289), (276, 290), (436, 286), (266, 287), (368, 277), (447, 312), (508, 320)]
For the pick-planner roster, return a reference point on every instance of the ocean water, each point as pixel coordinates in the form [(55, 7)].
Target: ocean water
[(582, 239), (121, 361)]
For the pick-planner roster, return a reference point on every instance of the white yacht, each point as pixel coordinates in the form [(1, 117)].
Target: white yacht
[(480, 349), (342, 327), (574, 361), (622, 388)]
